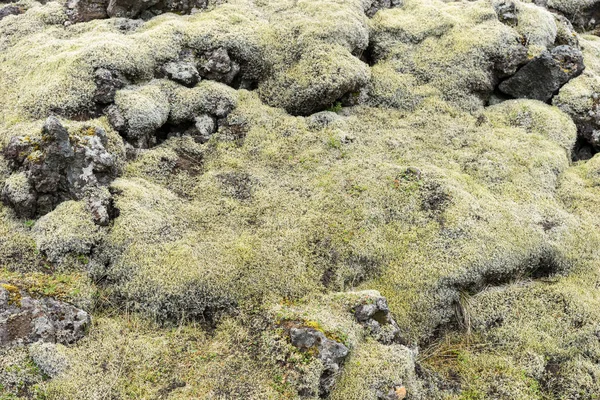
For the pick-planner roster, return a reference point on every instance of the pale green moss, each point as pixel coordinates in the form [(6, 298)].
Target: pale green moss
[(69, 229)]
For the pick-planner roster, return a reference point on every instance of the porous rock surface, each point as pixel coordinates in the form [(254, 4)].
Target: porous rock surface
[(24, 319), (281, 199)]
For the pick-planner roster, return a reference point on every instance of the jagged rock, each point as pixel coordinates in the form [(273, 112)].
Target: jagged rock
[(181, 72), (204, 127), (10, 10), (541, 78), (331, 353), (507, 12), (377, 5), (55, 168), (24, 319), (376, 317), (107, 84), (218, 66), (86, 10), (148, 9)]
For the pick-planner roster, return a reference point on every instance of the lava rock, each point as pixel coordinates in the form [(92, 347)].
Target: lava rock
[(10, 10), (55, 168), (507, 12), (377, 5), (542, 77), (181, 72), (331, 353), (24, 319), (218, 66), (86, 10), (107, 84), (376, 317)]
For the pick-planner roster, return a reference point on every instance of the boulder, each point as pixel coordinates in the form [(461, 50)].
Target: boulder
[(374, 314), (86, 10), (331, 353), (543, 76), (10, 10), (181, 72), (55, 167), (216, 65), (107, 84), (24, 319), (376, 5)]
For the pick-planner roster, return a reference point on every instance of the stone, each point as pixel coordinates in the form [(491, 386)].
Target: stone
[(331, 353), (107, 84), (217, 65), (542, 77), (181, 72), (375, 315), (322, 119), (377, 5), (10, 10), (507, 12), (55, 168), (86, 10), (24, 319)]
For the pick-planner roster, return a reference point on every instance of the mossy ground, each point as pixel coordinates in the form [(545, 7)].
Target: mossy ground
[(472, 221)]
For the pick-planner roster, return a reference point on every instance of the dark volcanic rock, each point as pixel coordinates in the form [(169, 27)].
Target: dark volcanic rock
[(150, 8), (181, 72), (331, 353), (10, 10), (218, 66), (86, 10), (24, 319), (107, 84), (55, 168), (542, 77), (377, 5), (376, 317)]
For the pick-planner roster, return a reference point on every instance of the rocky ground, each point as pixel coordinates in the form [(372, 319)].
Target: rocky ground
[(300, 199)]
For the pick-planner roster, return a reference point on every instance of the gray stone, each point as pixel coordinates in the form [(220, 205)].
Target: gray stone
[(331, 353), (217, 65), (86, 10), (107, 84), (542, 77), (507, 12), (52, 169), (322, 119), (24, 319), (181, 72), (375, 315), (10, 10), (376, 5)]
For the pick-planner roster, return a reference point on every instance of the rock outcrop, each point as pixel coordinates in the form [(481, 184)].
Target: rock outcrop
[(331, 353), (24, 319), (55, 167)]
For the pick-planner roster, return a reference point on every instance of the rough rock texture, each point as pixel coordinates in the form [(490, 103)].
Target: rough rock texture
[(10, 9), (543, 76), (24, 319), (376, 317), (55, 167), (331, 353), (288, 164)]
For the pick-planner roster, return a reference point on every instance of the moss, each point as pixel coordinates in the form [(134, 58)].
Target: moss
[(14, 294), (69, 229)]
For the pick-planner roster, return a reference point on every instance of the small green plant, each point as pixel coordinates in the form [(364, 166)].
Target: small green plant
[(336, 107), (29, 223)]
